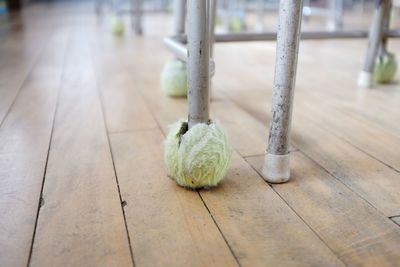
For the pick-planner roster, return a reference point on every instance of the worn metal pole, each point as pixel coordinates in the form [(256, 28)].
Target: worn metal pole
[(137, 17), (276, 167), (179, 16), (374, 42), (198, 61)]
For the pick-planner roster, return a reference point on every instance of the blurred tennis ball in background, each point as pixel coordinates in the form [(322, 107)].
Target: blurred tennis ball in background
[(174, 78), (385, 67), (117, 25)]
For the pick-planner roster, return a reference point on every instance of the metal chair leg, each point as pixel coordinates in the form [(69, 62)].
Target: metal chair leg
[(179, 16), (276, 167), (376, 34), (198, 61), (137, 17)]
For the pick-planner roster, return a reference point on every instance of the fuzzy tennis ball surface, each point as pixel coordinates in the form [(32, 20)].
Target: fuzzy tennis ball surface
[(385, 68), (199, 157), (174, 78), (117, 25)]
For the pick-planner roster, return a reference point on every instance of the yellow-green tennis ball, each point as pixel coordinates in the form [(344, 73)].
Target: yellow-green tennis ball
[(199, 157), (174, 78), (118, 26), (236, 24), (385, 68)]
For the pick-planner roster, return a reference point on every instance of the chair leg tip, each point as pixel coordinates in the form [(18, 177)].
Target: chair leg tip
[(364, 79), (276, 168)]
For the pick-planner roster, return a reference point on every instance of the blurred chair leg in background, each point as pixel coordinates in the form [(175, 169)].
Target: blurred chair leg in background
[(376, 33)]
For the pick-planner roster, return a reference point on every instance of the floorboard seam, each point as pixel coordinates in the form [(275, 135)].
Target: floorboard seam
[(298, 215), (112, 160), (331, 174), (41, 200), (202, 200), (340, 181), (219, 229), (298, 150), (394, 221), (365, 152)]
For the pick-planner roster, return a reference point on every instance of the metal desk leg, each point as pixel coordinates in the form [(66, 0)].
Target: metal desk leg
[(276, 167), (374, 42), (198, 61), (179, 16), (137, 17)]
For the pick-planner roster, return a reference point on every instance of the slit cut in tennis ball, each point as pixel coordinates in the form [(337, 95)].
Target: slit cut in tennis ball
[(117, 25), (174, 78), (385, 67), (199, 157)]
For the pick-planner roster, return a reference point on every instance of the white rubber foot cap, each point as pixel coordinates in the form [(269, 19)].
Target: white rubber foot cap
[(364, 79), (276, 168)]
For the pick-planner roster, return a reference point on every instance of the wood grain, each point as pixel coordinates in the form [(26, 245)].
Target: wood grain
[(168, 225), (24, 141), (317, 135), (368, 177), (18, 55), (261, 229), (353, 229), (81, 222), (118, 90), (244, 207)]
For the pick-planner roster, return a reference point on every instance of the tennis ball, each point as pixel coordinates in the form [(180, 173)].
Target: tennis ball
[(174, 78), (199, 157), (236, 24), (385, 67), (118, 26)]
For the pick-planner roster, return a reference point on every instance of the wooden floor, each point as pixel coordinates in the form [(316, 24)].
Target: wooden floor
[(82, 178)]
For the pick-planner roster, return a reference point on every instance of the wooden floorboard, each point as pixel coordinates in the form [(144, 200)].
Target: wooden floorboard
[(375, 230), (367, 176), (168, 225), (316, 107), (18, 55), (354, 230), (244, 193), (117, 87), (24, 142), (81, 222), (106, 199), (157, 210)]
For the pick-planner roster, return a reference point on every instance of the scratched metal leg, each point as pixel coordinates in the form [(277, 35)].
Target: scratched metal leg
[(376, 34), (276, 166), (198, 61)]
